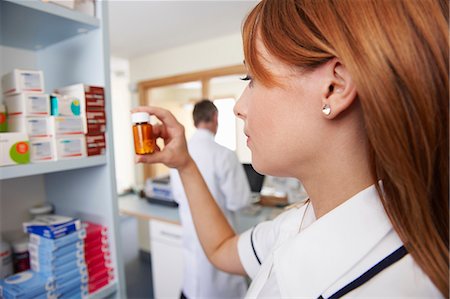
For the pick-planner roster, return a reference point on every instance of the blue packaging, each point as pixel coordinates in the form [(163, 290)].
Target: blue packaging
[(52, 226), (60, 268), (42, 252), (26, 285), (74, 275), (76, 294), (53, 261), (71, 286), (55, 244)]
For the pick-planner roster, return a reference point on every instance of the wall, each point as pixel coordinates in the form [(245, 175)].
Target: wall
[(123, 141), (210, 54)]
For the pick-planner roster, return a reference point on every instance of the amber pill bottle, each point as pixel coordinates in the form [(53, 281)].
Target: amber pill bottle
[(144, 141)]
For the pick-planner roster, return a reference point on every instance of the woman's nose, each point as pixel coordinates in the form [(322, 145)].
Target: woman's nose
[(240, 107)]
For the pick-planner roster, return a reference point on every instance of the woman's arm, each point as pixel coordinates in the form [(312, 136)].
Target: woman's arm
[(216, 236)]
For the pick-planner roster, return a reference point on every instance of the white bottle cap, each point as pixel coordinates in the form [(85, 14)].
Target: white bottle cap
[(140, 117), (20, 246)]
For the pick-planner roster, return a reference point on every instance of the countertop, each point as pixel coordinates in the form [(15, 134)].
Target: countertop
[(135, 206)]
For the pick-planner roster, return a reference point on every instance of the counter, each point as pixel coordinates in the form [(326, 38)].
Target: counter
[(133, 205)]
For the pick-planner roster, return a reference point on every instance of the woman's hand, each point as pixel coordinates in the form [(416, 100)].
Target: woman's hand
[(175, 153)]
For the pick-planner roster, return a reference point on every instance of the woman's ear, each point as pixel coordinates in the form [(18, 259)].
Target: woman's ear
[(341, 91)]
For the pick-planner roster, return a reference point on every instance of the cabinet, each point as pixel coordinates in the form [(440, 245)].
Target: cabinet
[(167, 259), (70, 47)]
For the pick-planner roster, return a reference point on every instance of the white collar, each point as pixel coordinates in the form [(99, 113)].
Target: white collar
[(326, 250), (203, 133)]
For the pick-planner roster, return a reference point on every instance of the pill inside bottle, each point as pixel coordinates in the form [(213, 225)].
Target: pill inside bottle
[(144, 141)]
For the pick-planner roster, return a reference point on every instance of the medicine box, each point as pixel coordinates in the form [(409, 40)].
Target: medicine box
[(95, 144), (68, 147), (28, 104), (52, 226), (67, 125), (92, 96), (34, 126), (56, 244), (27, 284), (23, 81), (14, 148), (42, 150), (96, 121), (64, 105)]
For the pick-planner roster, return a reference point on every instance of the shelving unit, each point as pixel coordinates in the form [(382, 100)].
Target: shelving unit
[(11, 172), (69, 47)]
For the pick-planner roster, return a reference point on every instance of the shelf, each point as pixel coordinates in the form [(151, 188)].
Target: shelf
[(33, 24), (104, 292), (16, 171)]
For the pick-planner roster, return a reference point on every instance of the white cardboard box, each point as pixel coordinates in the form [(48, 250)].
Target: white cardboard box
[(23, 81), (42, 150), (63, 105), (28, 104), (69, 147), (14, 148), (35, 127), (68, 125)]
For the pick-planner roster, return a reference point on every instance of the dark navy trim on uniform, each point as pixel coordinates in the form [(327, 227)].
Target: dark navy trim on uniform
[(369, 274), (253, 246)]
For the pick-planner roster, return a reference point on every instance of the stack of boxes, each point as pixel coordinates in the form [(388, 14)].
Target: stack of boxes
[(68, 259), (68, 124), (97, 256), (92, 108), (28, 118), (56, 250)]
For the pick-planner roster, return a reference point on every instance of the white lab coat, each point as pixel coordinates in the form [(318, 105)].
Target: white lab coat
[(228, 184), (329, 253)]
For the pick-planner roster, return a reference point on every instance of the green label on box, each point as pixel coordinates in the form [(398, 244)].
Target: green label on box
[(20, 152)]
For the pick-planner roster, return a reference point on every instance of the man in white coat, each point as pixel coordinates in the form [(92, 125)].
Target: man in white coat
[(227, 182)]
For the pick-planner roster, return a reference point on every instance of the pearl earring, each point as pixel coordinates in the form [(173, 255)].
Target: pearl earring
[(326, 109)]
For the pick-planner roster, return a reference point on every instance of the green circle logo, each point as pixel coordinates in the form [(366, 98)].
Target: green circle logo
[(20, 153)]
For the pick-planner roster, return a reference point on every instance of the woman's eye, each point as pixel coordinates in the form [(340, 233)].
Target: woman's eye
[(248, 78)]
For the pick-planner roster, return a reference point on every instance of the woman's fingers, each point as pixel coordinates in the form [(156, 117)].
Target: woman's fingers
[(175, 153)]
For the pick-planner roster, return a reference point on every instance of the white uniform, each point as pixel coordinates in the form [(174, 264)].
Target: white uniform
[(228, 184), (330, 253)]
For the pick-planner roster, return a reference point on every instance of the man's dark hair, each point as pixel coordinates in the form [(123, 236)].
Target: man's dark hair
[(204, 111)]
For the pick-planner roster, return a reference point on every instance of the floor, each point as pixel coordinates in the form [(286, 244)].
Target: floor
[(138, 274)]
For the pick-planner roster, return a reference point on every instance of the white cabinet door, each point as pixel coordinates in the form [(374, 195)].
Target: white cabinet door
[(167, 259)]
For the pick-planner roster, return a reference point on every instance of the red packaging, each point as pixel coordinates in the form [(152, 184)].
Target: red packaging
[(102, 274), (99, 268), (96, 250), (95, 144), (95, 98), (97, 259), (94, 230), (96, 121), (96, 285), (94, 242)]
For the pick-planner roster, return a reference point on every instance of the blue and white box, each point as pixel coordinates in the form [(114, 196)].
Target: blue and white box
[(43, 252), (27, 284), (54, 244), (52, 226)]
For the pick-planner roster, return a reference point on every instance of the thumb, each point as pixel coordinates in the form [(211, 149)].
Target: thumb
[(156, 157)]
